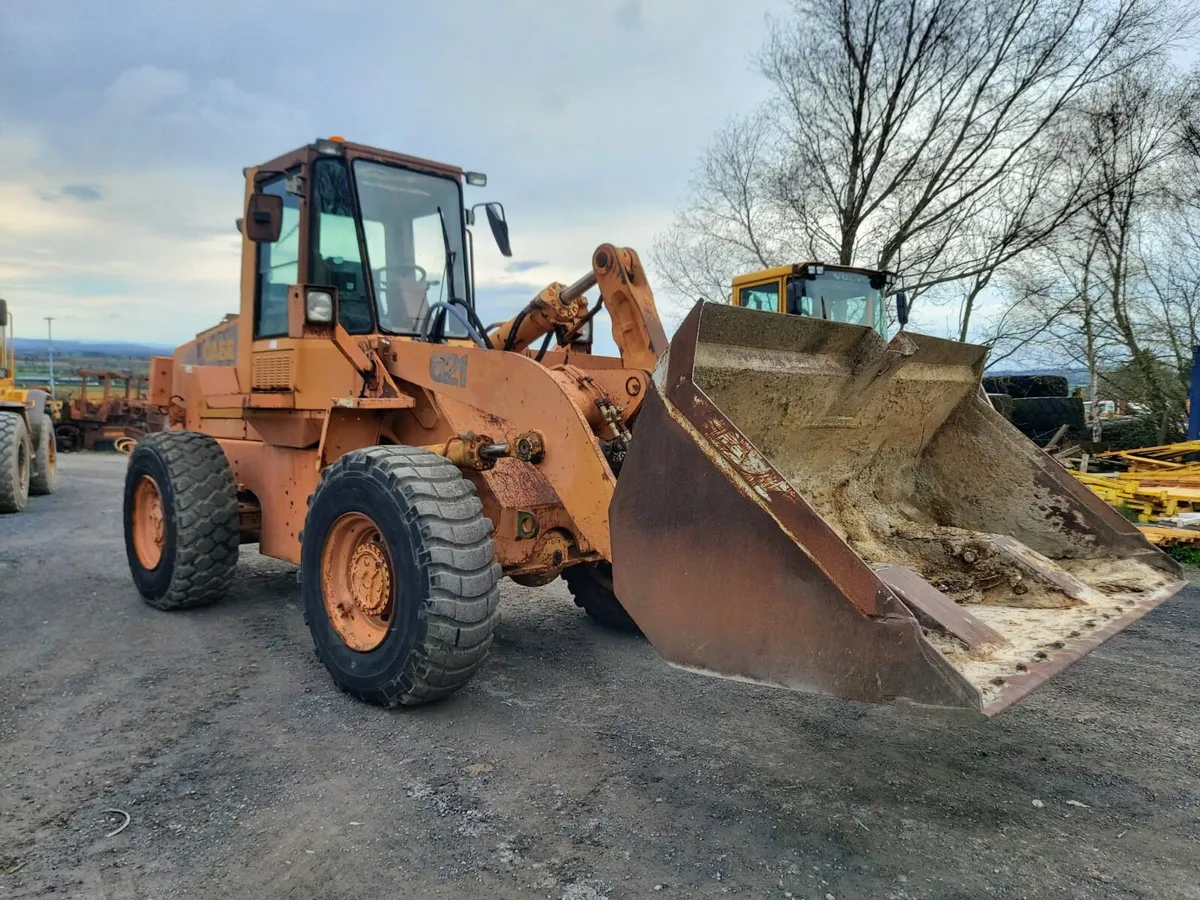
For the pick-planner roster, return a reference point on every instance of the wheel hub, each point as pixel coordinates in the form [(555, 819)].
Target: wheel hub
[(356, 582), (149, 523), (370, 580)]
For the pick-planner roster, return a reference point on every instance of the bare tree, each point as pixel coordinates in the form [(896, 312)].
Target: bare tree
[(917, 135), (1118, 287), (1135, 127)]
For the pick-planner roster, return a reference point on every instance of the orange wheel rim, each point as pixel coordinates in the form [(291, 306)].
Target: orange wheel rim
[(149, 525), (357, 582)]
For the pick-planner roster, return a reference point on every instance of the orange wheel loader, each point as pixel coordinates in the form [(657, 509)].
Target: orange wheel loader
[(787, 500)]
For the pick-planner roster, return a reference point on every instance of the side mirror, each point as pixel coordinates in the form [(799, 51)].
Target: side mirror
[(3, 313), (264, 218), (902, 308), (495, 215)]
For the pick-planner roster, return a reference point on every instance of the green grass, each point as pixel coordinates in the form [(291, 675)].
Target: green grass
[(1187, 554), (1128, 512)]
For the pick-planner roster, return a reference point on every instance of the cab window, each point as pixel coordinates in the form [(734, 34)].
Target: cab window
[(277, 266), (764, 297)]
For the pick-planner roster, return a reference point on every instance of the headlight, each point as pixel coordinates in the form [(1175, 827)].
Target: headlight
[(318, 306)]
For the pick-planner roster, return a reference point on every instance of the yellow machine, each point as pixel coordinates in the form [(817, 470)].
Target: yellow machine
[(838, 293), (27, 452)]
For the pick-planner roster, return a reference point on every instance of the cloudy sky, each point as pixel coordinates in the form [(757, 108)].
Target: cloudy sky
[(124, 126)]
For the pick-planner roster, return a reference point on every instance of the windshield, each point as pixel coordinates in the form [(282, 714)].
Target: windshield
[(404, 213), (853, 297), (405, 256)]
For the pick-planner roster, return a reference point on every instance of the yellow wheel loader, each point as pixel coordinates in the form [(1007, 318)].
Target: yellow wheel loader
[(838, 293), (783, 499), (28, 456)]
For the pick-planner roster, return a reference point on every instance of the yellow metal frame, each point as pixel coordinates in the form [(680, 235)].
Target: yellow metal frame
[(1159, 482)]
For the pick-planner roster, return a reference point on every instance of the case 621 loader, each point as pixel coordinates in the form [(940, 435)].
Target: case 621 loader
[(784, 499)]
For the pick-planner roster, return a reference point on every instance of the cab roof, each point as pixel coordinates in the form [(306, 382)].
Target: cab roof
[(350, 150), (795, 269)]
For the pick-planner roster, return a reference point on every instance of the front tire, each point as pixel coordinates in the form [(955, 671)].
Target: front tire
[(44, 479), (14, 463), (398, 576), (182, 526)]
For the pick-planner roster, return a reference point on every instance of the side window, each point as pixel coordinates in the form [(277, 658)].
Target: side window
[(336, 258), (763, 296), (277, 267)]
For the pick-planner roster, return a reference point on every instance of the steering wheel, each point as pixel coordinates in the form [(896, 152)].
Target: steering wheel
[(418, 273)]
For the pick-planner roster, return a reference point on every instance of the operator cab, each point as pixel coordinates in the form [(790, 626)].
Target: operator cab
[(377, 240), (839, 293)]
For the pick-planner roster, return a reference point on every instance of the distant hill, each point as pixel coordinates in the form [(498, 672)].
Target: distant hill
[(35, 346)]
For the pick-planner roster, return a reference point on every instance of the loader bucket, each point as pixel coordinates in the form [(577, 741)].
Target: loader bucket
[(808, 506)]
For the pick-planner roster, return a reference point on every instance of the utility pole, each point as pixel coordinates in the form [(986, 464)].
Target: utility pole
[(50, 347)]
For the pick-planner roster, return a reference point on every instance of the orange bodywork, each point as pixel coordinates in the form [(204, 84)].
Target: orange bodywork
[(285, 407)]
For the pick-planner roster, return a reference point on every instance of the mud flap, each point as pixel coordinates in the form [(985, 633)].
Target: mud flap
[(807, 506)]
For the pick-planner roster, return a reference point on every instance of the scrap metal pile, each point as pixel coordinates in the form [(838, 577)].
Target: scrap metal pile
[(117, 417)]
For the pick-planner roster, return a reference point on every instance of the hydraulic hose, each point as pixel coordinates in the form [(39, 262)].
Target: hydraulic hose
[(479, 339)]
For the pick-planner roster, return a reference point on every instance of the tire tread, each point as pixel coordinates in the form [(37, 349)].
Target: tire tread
[(461, 610), (206, 516), (13, 496)]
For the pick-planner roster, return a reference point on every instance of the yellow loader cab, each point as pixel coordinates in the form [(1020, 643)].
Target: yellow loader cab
[(837, 293)]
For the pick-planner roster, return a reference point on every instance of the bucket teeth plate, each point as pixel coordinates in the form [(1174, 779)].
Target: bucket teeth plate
[(808, 506)]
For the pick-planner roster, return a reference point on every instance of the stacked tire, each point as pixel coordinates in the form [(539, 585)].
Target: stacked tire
[(1038, 405)]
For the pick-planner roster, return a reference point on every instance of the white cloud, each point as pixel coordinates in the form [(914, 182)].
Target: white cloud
[(120, 174), (143, 89)]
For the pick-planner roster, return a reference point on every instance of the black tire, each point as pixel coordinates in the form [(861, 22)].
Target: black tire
[(1003, 404), (1040, 417), (591, 586), (444, 576), (15, 452), (201, 523), (1021, 386), (44, 477)]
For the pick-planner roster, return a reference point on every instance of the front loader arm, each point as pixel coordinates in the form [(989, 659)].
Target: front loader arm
[(625, 293), (482, 391)]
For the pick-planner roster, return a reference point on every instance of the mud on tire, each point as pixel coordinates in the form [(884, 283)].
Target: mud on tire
[(43, 478), (200, 524), (15, 452), (591, 586), (441, 592)]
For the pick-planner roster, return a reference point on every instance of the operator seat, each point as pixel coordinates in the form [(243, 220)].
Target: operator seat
[(407, 303)]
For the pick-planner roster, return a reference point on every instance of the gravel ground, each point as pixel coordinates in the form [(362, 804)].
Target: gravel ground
[(576, 765)]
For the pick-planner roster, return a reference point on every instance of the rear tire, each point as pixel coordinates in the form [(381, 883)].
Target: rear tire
[(591, 586), (44, 478), (15, 452), (182, 526), (398, 576)]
